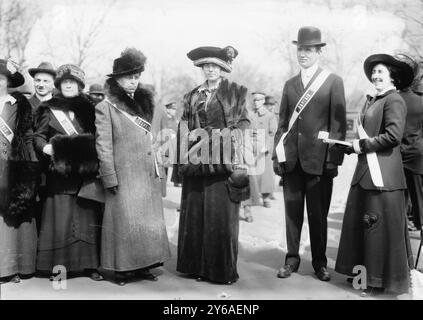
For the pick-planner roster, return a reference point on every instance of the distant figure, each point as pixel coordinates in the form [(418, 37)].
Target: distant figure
[(44, 76), (263, 119), (96, 92), (271, 104)]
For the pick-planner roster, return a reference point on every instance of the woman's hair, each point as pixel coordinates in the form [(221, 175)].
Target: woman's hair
[(418, 75), (394, 72)]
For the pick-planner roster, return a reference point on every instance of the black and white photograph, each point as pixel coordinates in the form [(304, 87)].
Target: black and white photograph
[(223, 151)]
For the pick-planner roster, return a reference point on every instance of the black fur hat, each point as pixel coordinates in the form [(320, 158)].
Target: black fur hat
[(131, 61)]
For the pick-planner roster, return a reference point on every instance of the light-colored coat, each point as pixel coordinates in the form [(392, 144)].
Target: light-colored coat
[(134, 232)]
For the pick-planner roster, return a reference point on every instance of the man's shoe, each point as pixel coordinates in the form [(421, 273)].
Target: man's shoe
[(323, 274), (286, 271)]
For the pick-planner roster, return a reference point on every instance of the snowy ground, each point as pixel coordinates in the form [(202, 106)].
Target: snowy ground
[(261, 253)]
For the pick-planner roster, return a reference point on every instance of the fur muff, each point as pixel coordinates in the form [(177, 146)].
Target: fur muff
[(75, 156), (142, 105), (23, 177)]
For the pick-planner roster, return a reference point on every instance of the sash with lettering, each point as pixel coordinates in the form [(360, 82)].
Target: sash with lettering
[(372, 161), (142, 124), (5, 130), (92, 190), (300, 106)]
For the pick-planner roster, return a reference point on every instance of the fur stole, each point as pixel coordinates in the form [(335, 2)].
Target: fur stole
[(142, 105)]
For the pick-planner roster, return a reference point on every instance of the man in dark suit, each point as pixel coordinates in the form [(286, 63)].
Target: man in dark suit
[(44, 76), (310, 165)]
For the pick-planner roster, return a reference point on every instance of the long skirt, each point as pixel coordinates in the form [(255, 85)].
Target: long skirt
[(208, 230), (70, 234), (374, 235), (18, 247)]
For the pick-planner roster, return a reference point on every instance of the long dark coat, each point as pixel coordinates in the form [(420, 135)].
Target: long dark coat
[(209, 219), (70, 226), (18, 175), (374, 231), (134, 232)]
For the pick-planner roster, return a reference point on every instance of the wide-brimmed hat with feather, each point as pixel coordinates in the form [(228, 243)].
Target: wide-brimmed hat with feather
[(131, 61)]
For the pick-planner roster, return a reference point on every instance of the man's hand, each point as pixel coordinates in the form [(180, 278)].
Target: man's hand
[(112, 190), (277, 167), (346, 149), (330, 170)]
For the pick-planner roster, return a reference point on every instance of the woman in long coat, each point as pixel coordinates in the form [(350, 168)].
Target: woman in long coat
[(209, 218), (18, 175), (374, 231), (134, 237), (64, 138)]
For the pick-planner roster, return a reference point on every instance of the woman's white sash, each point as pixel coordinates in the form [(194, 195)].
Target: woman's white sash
[(372, 161)]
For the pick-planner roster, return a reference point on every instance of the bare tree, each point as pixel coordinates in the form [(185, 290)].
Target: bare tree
[(16, 21), (86, 35)]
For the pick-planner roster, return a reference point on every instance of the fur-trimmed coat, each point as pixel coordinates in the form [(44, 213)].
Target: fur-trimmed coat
[(74, 157), (134, 232), (18, 163)]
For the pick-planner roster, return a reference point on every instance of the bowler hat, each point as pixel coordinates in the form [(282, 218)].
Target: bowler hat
[(96, 89), (269, 100), (130, 61), (70, 71), (405, 69), (9, 69), (44, 67), (222, 57), (309, 37)]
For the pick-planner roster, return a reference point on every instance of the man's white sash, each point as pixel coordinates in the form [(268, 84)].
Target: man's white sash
[(5, 130), (372, 161), (65, 122), (301, 105), (142, 124)]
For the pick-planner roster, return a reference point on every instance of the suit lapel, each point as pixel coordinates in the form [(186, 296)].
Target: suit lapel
[(298, 85)]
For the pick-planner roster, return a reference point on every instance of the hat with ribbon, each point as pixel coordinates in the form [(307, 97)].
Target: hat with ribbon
[(70, 71), (9, 69), (400, 62), (222, 57), (44, 67), (309, 37)]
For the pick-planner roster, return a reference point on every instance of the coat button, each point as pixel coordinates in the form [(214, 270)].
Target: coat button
[(299, 133), (149, 153), (300, 118)]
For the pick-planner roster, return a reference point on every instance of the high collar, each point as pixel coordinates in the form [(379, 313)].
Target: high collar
[(4, 100), (384, 91), (205, 86), (309, 72)]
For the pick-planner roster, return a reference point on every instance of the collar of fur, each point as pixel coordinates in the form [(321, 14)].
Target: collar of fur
[(82, 105), (23, 126), (142, 105)]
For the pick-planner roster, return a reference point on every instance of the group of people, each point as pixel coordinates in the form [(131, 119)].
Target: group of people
[(88, 170)]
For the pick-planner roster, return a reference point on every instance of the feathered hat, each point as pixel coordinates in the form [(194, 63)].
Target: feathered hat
[(130, 61), (222, 57)]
